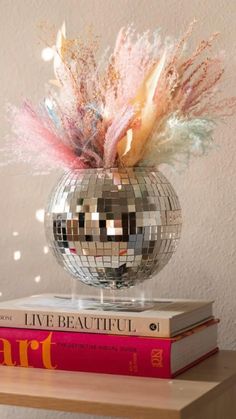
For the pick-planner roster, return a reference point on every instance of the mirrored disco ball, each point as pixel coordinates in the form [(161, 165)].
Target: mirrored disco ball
[(113, 228)]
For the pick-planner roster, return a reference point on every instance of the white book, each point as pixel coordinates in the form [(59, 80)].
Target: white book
[(155, 318)]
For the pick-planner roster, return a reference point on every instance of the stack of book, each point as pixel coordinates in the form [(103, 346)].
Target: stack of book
[(158, 338)]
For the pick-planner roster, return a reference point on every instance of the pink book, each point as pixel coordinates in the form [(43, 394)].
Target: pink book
[(109, 354)]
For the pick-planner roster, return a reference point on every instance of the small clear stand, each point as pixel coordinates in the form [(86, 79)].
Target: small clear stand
[(134, 299)]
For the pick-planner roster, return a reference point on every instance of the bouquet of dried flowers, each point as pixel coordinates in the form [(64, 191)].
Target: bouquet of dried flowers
[(148, 102)]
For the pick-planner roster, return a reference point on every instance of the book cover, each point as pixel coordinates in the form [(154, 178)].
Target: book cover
[(110, 354), (156, 318)]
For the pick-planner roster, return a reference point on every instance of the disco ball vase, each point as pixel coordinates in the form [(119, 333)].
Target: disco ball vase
[(113, 228)]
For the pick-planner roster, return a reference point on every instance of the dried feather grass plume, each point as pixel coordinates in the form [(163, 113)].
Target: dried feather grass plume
[(146, 103)]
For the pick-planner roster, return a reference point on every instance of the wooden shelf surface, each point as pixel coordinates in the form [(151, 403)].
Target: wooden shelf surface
[(182, 398)]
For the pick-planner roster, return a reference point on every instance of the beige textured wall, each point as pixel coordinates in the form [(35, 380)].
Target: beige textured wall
[(204, 265)]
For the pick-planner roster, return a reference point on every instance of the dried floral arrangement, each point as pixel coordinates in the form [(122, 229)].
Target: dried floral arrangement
[(147, 103)]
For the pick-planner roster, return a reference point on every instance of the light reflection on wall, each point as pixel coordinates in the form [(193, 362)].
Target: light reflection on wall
[(17, 255), (45, 250), (47, 54), (39, 215), (37, 278)]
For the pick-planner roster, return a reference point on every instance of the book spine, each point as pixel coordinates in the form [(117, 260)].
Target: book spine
[(102, 323), (107, 354)]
